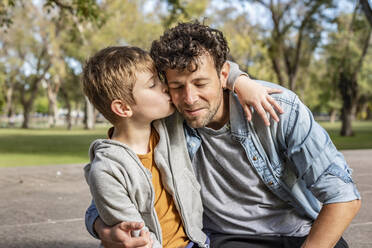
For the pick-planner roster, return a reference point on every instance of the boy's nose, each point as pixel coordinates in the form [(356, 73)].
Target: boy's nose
[(165, 88)]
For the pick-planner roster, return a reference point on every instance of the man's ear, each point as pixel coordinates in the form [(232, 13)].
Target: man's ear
[(224, 74), (120, 108)]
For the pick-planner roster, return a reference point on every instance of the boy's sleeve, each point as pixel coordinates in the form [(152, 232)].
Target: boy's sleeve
[(90, 217), (235, 72), (111, 198)]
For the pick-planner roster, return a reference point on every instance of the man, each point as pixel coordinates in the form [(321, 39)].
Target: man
[(284, 185)]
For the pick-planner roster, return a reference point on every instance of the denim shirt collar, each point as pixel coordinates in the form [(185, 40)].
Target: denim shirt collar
[(238, 123)]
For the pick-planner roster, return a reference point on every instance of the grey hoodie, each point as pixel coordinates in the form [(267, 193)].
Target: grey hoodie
[(122, 187)]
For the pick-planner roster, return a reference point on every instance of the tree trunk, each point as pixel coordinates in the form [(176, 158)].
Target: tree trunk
[(53, 109), (68, 106), (68, 115), (53, 87), (369, 113), (89, 115), (27, 103), (26, 116), (77, 117), (292, 81), (332, 115), (348, 114), (349, 90), (9, 106), (367, 10), (276, 67), (348, 86)]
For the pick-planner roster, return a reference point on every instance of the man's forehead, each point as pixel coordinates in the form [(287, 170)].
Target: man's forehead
[(194, 67), (177, 75)]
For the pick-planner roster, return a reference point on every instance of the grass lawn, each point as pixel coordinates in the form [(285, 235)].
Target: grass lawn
[(46, 146), (362, 138), (19, 147)]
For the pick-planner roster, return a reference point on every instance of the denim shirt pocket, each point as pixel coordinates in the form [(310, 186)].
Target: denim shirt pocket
[(278, 168), (284, 172)]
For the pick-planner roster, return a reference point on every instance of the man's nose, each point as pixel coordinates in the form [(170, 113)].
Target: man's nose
[(190, 95)]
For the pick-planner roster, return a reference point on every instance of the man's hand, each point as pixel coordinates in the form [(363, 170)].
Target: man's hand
[(254, 94), (120, 235)]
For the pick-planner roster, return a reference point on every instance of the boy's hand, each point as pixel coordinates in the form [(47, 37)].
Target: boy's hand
[(120, 235), (254, 94)]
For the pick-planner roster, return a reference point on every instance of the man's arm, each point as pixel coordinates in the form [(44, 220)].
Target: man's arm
[(253, 94), (325, 173), (332, 221)]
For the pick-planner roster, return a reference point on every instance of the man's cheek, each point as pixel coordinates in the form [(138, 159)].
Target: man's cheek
[(175, 99)]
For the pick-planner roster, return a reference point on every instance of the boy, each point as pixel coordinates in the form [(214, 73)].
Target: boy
[(131, 175)]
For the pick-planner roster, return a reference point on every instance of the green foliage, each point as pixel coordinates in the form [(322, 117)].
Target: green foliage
[(70, 31), (125, 24), (5, 15), (180, 11), (83, 10), (41, 105), (350, 60), (246, 46)]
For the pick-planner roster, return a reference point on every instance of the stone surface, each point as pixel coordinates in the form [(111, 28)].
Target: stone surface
[(44, 206)]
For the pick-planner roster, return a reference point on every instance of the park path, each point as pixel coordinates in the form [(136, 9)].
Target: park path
[(43, 206)]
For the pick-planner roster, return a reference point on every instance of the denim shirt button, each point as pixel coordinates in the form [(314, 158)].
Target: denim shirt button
[(270, 183), (254, 158)]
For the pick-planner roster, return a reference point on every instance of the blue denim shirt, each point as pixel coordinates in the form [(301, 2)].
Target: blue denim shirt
[(295, 157)]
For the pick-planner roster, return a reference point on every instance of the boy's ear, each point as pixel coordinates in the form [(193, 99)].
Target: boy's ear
[(121, 109), (224, 74)]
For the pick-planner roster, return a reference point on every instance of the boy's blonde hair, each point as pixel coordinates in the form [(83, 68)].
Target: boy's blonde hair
[(110, 74)]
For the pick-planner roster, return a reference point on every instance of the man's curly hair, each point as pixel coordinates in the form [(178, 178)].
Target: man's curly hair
[(180, 47)]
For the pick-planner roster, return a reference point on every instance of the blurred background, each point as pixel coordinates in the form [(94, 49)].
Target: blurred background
[(320, 49)]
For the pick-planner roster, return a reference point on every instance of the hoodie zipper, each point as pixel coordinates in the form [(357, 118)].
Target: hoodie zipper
[(178, 205), (154, 214)]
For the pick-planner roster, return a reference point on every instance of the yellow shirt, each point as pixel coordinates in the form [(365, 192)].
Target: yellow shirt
[(172, 229)]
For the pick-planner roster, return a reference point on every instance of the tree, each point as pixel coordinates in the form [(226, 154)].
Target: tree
[(26, 42), (294, 35), (87, 10), (32, 35), (178, 11), (71, 94), (9, 70), (125, 24), (348, 50), (367, 10)]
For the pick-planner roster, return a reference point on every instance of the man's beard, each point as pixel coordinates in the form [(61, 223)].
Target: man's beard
[(198, 122)]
